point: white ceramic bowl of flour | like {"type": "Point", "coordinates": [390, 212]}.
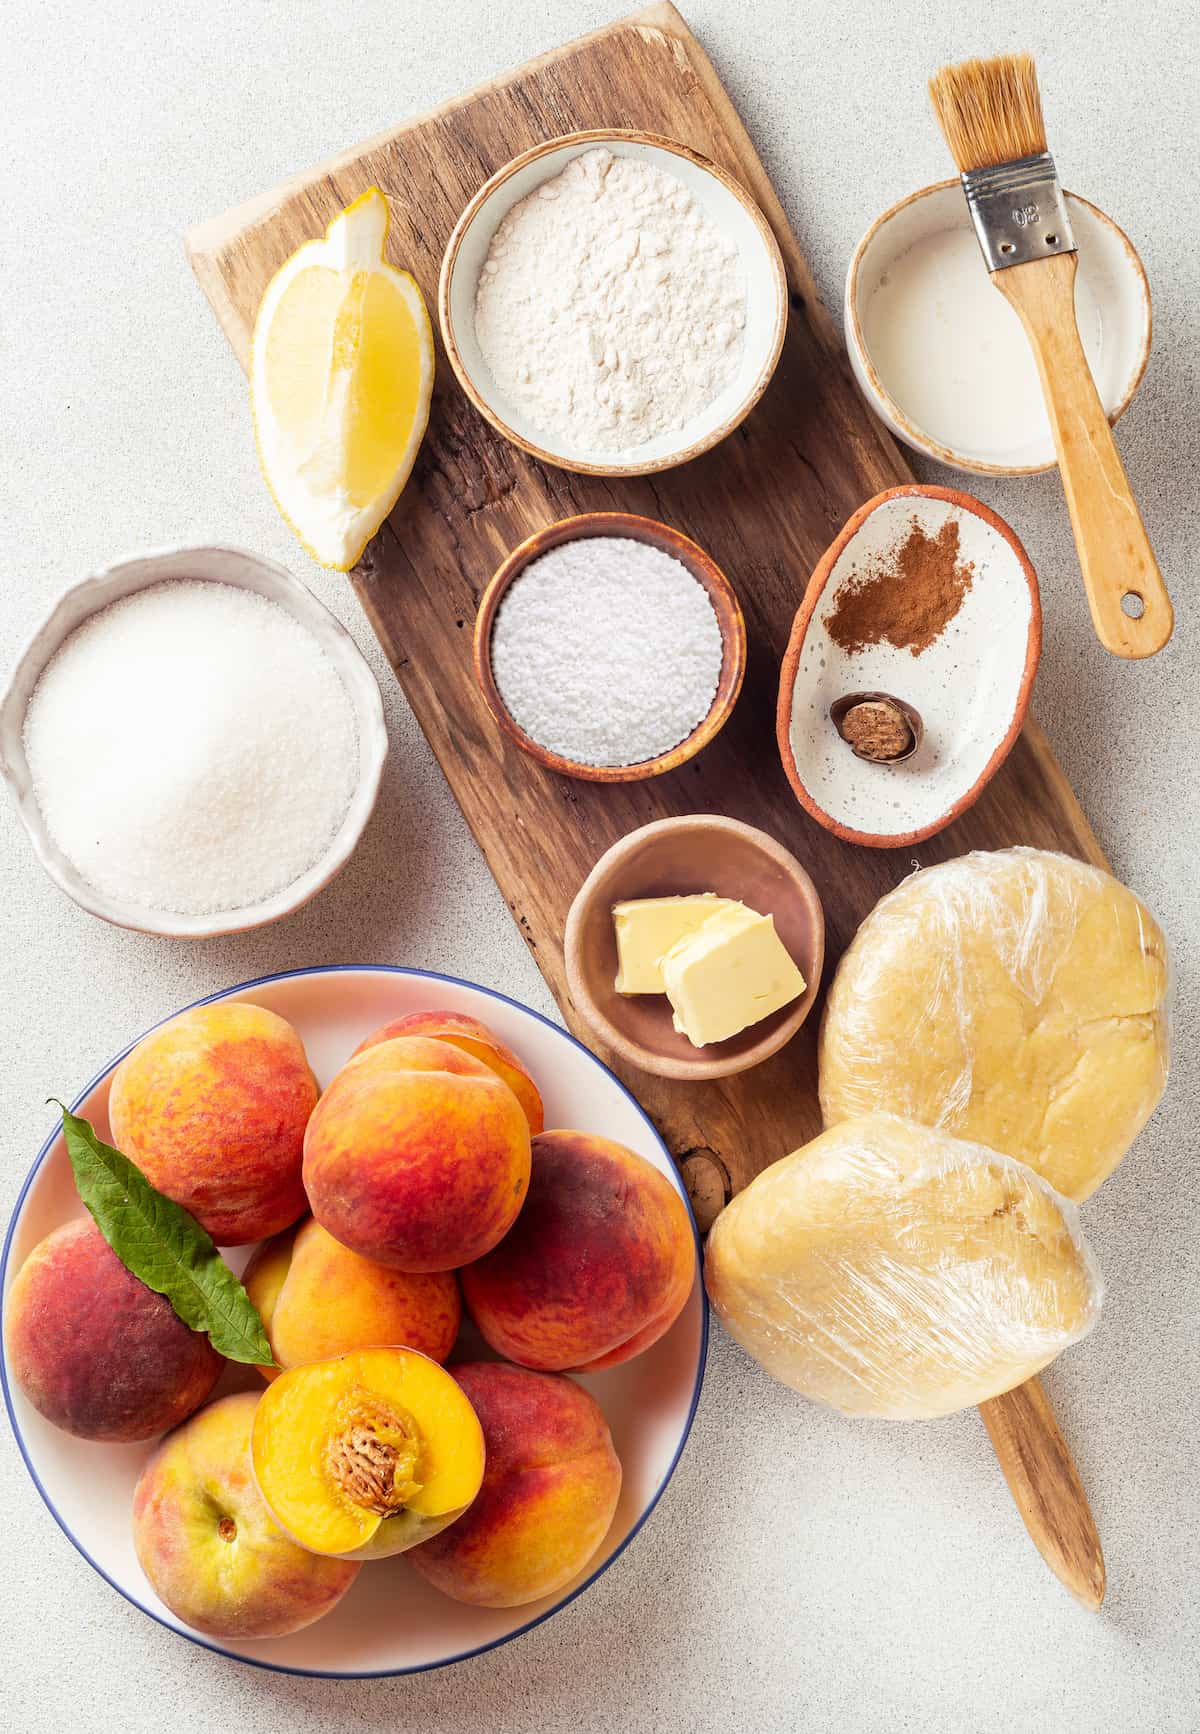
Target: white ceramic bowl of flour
{"type": "Point", "coordinates": [729, 242]}
{"type": "Point", "coordinates": [940, 354]}
{"type": "Point", "coordinates": [244, 572]}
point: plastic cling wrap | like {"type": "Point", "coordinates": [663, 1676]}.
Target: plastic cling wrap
{"type": "Point", "coordinates": [888, 1269]}
{"type": "Point", "coordinates": [1016, 998]}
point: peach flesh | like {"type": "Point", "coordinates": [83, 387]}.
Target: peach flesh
{"type": "Point", "coordinates": [417, 1155]}
{"type": "Point", "coordinates": [366, 1454]}
{"type": "Point", "coordinates": [598, 1265]}
{"type": "Point", "coordinates": [210, 1547]}
{"type": "Point", "coordinates": [550, 1489]}
{"type": "Point", "coordinates": [97, 1352]}
{"type": "Point", "coordinates": [212, 1107]}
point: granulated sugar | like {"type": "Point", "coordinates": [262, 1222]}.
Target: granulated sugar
{"type": "Point", "coordinates": [607, 651]}
{"type": "Point", "coordinates": [192, 748]}
{"type": "Point", "coordinates": [610, 307]}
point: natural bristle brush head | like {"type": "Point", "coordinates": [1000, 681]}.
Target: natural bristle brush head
{"type": "Point", "coordinates": [991, 114]}
{"type": "Point", "coordinates": [989, 110]}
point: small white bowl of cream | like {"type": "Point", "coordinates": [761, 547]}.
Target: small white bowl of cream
{"type": "Point", "coordinates": [613, 303]}
{"type": "Point", "coordinates": [941, 355]}
{"type": "Point", "coordinates": [193, 742]}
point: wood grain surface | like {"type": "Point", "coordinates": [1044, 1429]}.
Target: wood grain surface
{"type": "Point", "coordinates": [765, 503]}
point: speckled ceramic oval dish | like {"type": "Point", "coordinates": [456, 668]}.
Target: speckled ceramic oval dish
{"type": "Point", "coordinates": [970, 687]}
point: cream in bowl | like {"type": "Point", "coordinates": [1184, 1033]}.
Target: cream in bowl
{"type": "Point", "coordinates": [941, 355]}
{"type": "Point", "coordinates": [193, 742]}
{"type": "Point", "coordinates": [613, 302]}
{"type": "Point", "coordinates": [923, 620]}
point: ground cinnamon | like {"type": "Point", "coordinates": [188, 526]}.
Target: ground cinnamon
{"type": "Point", "coordinates": [908, 597]}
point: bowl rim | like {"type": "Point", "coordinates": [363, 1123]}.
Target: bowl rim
{"type": "Point", "coordinates": [600, 136]}
{"type": "Point", "coordinates": [357, 677]}
{"type": "Point", "coordinates": [886, 405]}
{"type": "Point", "coordinates": [702, 567]}
{"type": "Point", "coordinates": [791, 664]}
{"type": "Point", "coordinates": [215, 1645]}
{"type": "Point", "coordinates": [688, 1070]}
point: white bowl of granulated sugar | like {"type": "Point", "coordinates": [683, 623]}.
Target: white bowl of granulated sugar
{"type": "Point", "coordinates": [193, 743]}
{"type": "Point", "coordinates": [613, 303]}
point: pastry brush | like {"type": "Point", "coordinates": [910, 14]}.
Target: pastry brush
{"type": "Point", "coordinates": [991, 114]}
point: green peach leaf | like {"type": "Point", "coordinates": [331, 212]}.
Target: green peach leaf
{"type": "Point", "coordinates": [164, 1246]}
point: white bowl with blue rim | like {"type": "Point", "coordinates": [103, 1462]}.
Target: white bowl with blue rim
{"type": "Point", "coordinates": [391, 1621]}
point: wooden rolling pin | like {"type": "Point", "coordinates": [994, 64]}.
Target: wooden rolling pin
{"type": "Point", "coordinates": [1045, 1483]}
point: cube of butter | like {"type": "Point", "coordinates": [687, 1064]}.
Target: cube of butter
{"type": "Point", "coordinates": [647, 928]}
{"type": "Point", "coordinates": [729, 974]}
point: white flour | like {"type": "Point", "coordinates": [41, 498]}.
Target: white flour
{"type": "Point", "coordinates": [607, 651]}
{"type": "Point", "coordinates": [610, 307]}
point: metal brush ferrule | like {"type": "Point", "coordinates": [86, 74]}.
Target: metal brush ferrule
{"type": "Point", "coordinates": [1019, 211]}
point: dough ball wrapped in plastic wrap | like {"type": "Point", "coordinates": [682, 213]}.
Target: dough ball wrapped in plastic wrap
{"type": "Point", "coordinates": [1015, 998]}
{"type": "Point", "coordinates": [889, 1269]}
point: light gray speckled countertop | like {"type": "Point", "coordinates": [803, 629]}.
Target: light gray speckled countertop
{"type": "Point", "coordinates": [802, 1572]}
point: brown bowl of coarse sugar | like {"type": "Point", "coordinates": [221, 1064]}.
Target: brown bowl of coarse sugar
{"type": "Point", "coordinates": [610, 647]}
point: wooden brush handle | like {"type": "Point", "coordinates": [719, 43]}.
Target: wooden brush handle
{"type": "Point", "coordinates": [1114, 550]}
{"type": "Point", "coordinates": [1043, 1480]}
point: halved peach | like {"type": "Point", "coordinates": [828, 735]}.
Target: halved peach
{"type": "Point", "coordinates": [367, 1454]}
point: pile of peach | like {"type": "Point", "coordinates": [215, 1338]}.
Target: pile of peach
{"type": "Point", "coordinates": [420, 1176]}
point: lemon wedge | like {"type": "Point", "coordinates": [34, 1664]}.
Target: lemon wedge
{"type": "Point", "coordinates": [341, 372]}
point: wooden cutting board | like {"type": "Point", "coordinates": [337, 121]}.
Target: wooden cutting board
{"type": "Point", "coordinates": [766, 503]}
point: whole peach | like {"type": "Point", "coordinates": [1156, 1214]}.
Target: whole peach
{"type": "Point", "coordinates": [318, 1299]}
{"type": "Point", "coordinates": [551, 1482]}
{"type": "Point", "coordinates": [212, 1108]}
{"type": "Point", "coordinates": [473, 1037]}
{"type": "Point", "coordinates": [417, 1155]}
{"type": "Point", "coordinates": [208, 1544]}
{"type": "Point", "coordinates": [97, 1352]}
{"type": "Point", "coordinates": [598, 1265]}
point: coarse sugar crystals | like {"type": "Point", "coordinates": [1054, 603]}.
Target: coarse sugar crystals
{"type": "Point", "coordinates": [192, 748]}
{"type": "Point", "coordinates": [607, 651]}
